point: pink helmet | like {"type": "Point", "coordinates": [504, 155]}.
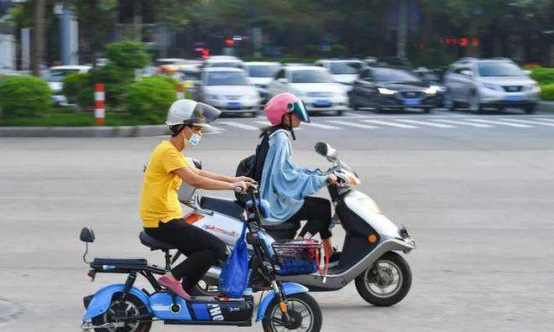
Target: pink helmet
{"type": "Point", "coordinates": [282, 104]}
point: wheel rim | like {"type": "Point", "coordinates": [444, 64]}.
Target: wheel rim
{"type": "Point", "coordinates": [297, 309]}
{"type": "Point", "coordinates": [129, 309]}
{"type": "Point", "coordinates": [384, 279]}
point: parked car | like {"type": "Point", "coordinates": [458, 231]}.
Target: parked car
{"type": "Point", "coordinates": [223, 61]}
{"type": "Point", "coordinates": [228, 89]}
{"type": "Point", "coordinates": [190, 75]}
{"type": "Point", "coordinates": [433, 79]}
{"type": "Point", "coordinates": [55, 76]}
{"type": "Point", "coordinates": [343, 71]}
{"type": "Point", "coordinates": [261, 74]}
{"type": "Point", "coordinates": [392, 89]}
{"type": "Point", "coordinates": [170, 61]}
{"type": "Point", "coordinates": [490, 83]}
{"type": "Point", "coordinates": [314, 85]}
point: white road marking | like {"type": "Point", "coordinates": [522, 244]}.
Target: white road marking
{"type": "Point", "coordinates": [356, 125]}
{"type": "Point", "coordinates": [319, 125]}
{"type": "Point", "coordinates": [424, 123]}
{"type": "Point", "coordinates": [501, 123]}
{"type": "Point", "coordinates": [238, 125]}
{"type": "Point", "coordinates": [463, 123]}
{"type": "Point", "coordinates": [531, 122]}
{"type": "Point", "coordinates": [391, 124]}
{"type": "Point", "coordinates": [544, 119]}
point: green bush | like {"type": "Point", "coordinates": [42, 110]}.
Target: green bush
{"type": "Point", "coordinates": [24, 96]}
{"type": "Point", "coordinates": [150, 98]}
{"type": "Point", "coordinates": [543, 75]}
{"type": "Point", "coordinates": [79, 89]}
{"type": "Point", "coordinates": [128, 54]}
{"type": "Point", "coordinates": [115, 80]}
{"type": "Point", "coordinates": [547, 92]}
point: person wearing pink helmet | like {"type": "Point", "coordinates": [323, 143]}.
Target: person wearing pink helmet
{"type": "Point", "coordinates": [286, 186]}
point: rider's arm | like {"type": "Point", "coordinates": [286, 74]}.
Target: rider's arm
{"type": "Point", "coordinates": [196, 179]}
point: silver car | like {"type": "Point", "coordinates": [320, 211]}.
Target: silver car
{"type": "Point", "coordinates": [489, 83]}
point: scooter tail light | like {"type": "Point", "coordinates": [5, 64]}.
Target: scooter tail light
{"type": "Point", "coordinates": [193, 217]}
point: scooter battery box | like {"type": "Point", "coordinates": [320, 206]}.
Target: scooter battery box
{"type": "Point", "coordinates": [229, 311]}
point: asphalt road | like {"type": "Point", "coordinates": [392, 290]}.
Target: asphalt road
{"type": "Point", "coordinates": [478, 200]}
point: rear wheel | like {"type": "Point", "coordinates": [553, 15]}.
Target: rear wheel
{"type": "Point", "coordinates": [427, 110]}
{"type": "Point", "coordinates": [475, 103]}
{"type": "Point", "coordinates": [387, 282]}
{"type": "Point", "coordinates": [128, 308]}
{"type": "Point", "coordinates": [304, 312]}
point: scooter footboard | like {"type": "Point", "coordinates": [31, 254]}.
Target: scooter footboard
{"type": "Point", "coordinates": [288, 288]}
{"type": "Point", "coordinates": [102, 299]}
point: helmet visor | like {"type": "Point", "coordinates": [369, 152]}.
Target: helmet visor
{"type": "Point", "coordinates": [203, 115]}
{"type": "Point", "coordinates": [299, 109]}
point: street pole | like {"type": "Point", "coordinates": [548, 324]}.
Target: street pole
{"type": "Point", "coordinates": [37, 49]}
{"type": "Point", "coordinates": [402, 29]}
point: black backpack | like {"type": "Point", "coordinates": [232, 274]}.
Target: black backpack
{"type": "Point", "coordinates": [253, 166]}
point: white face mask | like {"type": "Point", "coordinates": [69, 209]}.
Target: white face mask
{"type": "Point", "coordinates": [194, 139]}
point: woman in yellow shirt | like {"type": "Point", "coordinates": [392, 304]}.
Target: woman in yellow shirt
{"type": "Point", "coordinates": [160, 210]}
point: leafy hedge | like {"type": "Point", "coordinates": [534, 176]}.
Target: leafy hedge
{"type": "Point", "coordinates": [79, 89]}
{"type": "Point", "coordinates": [24, 96]}
{"type": "Point", "coordinates": [543, 75]}
{"type": "Point", "coordinates": [150, 98]}
{"type": "Point", "coordinates": [547, 92]}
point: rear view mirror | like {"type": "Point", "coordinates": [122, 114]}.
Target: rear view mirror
{"type": "Point", "coordinates": [326, 150]}
{"type": "Point", "coordinates": [87, 235]}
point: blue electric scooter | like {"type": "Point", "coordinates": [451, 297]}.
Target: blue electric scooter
{"type": "Point", "coordinates": [124, 308]}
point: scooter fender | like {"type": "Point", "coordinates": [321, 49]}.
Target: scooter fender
{"type": "Point", "coordinates": [102, 299]}
{"type": "Point", "coordinates": [288, 288]}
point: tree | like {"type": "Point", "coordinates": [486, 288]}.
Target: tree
{"type": "Point", "coordinates": [37, 37]}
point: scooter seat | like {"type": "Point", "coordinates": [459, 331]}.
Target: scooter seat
{"type": "Point", "coordinates": [222, 205]}
{"type": "Point", "coordinates": [154, 244]}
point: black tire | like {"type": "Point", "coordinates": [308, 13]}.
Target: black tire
{"type": "Point", "coordinates": [353, 105]}
{"type": "Point", "coordinates": [450, 104]}
{"type": "Point", "coordinates": [300, 299]}
{"type": "Point", "coordinates": [137, 307]}
{"type": "Point", "coordinates": [378, 109]}
{"type": "Point", "coordinates": [398, 294]}
{"type": "Point", "coordinates": [339, 113]}
{"type": "Point", "coordinates": [530, 109]}
{"type": "Point", "coordinates": [427, 110]}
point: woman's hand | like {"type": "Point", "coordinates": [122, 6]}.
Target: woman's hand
{"type": "Point", "coordinates": [332, 179]}
{"type": "Point", "coordinates": [244, 179]}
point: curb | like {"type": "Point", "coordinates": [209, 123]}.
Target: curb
{"type": "Point", "coordinates": [547, 106]}
{"type": "Point", "coordinates": [123, 131]}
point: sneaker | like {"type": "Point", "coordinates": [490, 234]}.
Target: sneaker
{"type": "Point", "coordinates": [174, 286]}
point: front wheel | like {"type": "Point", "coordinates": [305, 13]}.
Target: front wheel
{"type": "Point", "coordinates": [304, 312]}
{"type": "Point", "coordinates": [387, 282]}
{"type": "Point", "coordinates": [127, 309]}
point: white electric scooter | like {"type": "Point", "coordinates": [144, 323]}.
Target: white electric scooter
{"type": "Point", "coordinates": [370, 255]}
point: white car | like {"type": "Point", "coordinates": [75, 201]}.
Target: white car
{"type": "Point", "coordinates": [261, 74]}
{"type": "Point", "coordinates": [343, 71]}
{"type": "Point", "coordinates": [223, 61]}
{"type": "Point", "coordinates": [489, 83]}
{"type": "Point", "coordinates": [229, 90]}
{"type": "Point", "coordinates": [55, 76]}
{"type": "Point", "coordinates": [314, 85]}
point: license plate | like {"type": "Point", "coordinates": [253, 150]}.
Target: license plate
{"type": "Point", "coordinates": [514, 98]}
{"type": "Point", "coordinates": [322, 103]}
{"type": "Point", "coordinates": [233, 106]}
{"type": "Point", "coordinates": [412, 102]}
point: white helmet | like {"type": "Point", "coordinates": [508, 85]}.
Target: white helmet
{"type": "Point", "coordinates": [190, 112]}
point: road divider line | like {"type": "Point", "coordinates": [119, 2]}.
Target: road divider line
{"type": "Point", "coordinates": [356, 125]}
{"type": "Point", "coordinates": [530, 122]}
{"type": "Point", "coordinates": [463, 123]}
{"type": "Point", "coordinates": [543, 119]}
{"type": "Point", "coordinates": [390, 124]}
{"type": "Point", "coordinates": [319, 125]}
{"type": "Point", "coordinates": [500, 123]}
{"type": "Point", "coordinates": [424, 123]}
{"type": "Point", "coordinates": [238, 125]}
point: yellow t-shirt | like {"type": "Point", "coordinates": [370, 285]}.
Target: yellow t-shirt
{"type": "Point", "coordinates": [159, 200]}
